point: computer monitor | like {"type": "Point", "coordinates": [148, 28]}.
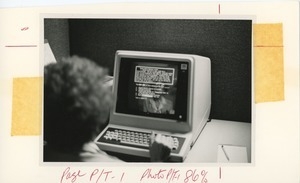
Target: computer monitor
{"type": "Point", "coordinates": [165, 92]}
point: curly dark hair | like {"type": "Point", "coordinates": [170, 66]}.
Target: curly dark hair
{"type": "Point", "coordinates": [76, 102]}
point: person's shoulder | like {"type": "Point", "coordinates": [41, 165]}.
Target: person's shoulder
{"type": "Point", "coordinates": [91, 153]}
{"type": "Point", "coordinates": [53, 155]}
{"type": "Point", "coordinates": [97, 157]}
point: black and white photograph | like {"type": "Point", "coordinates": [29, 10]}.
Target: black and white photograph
{"type": "Point", "coordinates": [148, 90]}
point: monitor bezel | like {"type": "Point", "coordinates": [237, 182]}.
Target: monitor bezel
{"type": "Point", "coordinates": [153, 123]}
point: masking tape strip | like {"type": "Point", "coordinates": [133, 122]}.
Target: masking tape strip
{"type": "Point", "coordinates": [268, 62]}
{"type": "Point", "coordinates": [268, 35]}
{"type": "Point", "coordinates": [26, 106]}
{"type": "Point", "coordinates": [268, 70]}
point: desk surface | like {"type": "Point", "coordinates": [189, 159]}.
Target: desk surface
{"type": "Point", "coordinates": [217, 132]}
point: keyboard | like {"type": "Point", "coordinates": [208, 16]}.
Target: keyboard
{"type": "Point", "coordinates": [136, 139]}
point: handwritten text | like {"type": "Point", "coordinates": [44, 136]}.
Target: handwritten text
{"type": "Point", "coordinates": [153, 175]}
{"type": "Point", "coordinates": [96, 176]}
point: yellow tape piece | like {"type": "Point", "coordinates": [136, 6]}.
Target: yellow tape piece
{"type": "Point", "coordinates": [268, 35]}
{"type": "Point", "coordinates": [268, 62]}
{"type": "Point", "coordinates": [27, 106]}
{"type": "Point", "coordinates": [269, 80]}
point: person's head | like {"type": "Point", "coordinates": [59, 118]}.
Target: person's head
{"type": "Point", "coordinates": [76, 103]}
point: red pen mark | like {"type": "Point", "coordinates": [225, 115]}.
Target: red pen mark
{"type": "Point", "coordinates": [220, 172]}
{"type": "Point", "coordinates": [219, 8]}
{"type": "Point", "coordinates": [70, 175]}
{"type": "Point", "coordinates": [24, 28]}
{"type": "Point", "coordinates": [13, 46]}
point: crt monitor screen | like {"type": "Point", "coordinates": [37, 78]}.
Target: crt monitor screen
{"type": "Point", "coordinates": [153, 88]}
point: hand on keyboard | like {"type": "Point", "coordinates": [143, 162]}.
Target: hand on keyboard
{"type": "Point", "coordinates": [160, 147]}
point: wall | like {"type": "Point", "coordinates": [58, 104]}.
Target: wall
{"type": "Point", "coordinates": [56, 31]}
{"type": "Point", "coordinates": [226, 42]}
